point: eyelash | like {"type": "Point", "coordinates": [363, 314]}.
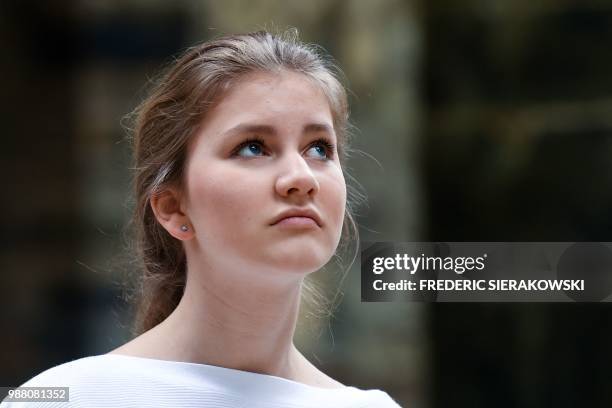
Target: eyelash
{"type": "Point", "coordinates": [329, 147]}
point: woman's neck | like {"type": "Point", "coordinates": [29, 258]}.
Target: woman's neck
{"type": "Point", "coordinates": [245, 324]}
{"type": "Point", "coordinates": [236, 327]}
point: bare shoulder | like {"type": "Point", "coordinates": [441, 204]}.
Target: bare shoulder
{"type": "Point", "coordinates": [146, 345]}
{"type": "Point", "coordinates": [322, 380]}
{"type": "Point", "coordinates": [309, 374]}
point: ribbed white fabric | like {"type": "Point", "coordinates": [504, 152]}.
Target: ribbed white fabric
{"type": "Point", "coordinates": [118, 381]}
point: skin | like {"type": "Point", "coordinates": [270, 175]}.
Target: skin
{"type": "Point", "coordinates": [245, 275]}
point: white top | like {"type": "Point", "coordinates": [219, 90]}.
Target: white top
{"type": "Point", "coordinates": [113, 380]}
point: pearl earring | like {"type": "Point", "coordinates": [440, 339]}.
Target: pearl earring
{"type": "Point", "coordinates": [184, 228]}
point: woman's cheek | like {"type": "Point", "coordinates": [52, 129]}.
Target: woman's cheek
{"type": "Point", "coordinates": [337, 196]}
{"type": "Point", "coordinates": [233, 203]}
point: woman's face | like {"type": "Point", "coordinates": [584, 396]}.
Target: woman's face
{"type": "Point", "coordinates": [267, 149]}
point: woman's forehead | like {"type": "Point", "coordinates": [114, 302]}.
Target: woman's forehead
{"type": "Point", "coordinates": [265, 84]}
{"type": "Point", "coordinates": [266, 99]}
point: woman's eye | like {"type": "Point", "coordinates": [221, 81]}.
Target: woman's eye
{"type": "Point", "coordinates": [250, 149]}
{"type": "Point", "coordinates": [321, 150]}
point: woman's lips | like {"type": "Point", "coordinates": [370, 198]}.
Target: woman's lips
{"type": "Point", "coordinates": [298, 217]}
{"type": "Point", "coordinates": [297, 222]}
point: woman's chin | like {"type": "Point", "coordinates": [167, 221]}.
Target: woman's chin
{"type": "Point", "coordinates": [302, 259]}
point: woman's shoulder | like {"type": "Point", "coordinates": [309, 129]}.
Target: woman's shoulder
{"type": "Point", "coordinates": [77, 370]}
{"type": "Point", "coordinates": [103, 371]}
{"type": "Point", "coordinates": [378, 399]}
{"type": "Point", "coordinates": [80, 376]}
{"type": "Point", "coordinates": [112, 380]}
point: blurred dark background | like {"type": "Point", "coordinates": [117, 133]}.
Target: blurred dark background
{"type": "Point", "coordinates": [480, 121]}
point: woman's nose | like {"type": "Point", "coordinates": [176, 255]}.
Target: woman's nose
{"type": "Point", "coordinates": [296, 177]}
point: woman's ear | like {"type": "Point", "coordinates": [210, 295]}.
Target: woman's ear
{"type": "Point", "coordinates": [167, 208]}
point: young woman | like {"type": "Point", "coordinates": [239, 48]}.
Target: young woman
{"type": "Point", "coordinates": [240, 194]}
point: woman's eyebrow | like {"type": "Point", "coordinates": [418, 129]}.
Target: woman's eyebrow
{"type": "Point", "coordinates": [271, 130]}
{"type": "Point", "coordinates": [318, 127]}
{"type": "Point", "coordinates": [250, 128]}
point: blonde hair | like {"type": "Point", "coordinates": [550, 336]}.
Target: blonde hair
{"type": "Point", "coordinates": [164, 124]}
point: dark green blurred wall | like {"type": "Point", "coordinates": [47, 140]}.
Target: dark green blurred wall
{"type": "Point", "coordinates": [518, 147]}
